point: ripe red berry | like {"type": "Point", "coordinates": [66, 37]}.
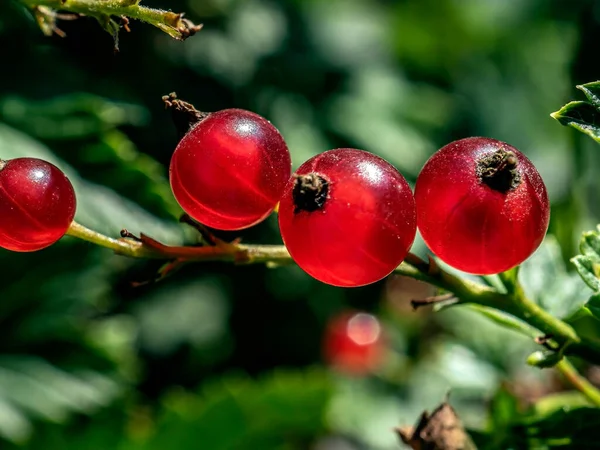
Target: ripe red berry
{"type": "Point", "coordinates": [353, 343]}
{"type": "Point", "coordinates": [482, 206]}
{"type": "Point", "coordinates": [347, 217]}
{"type": "Point", "coordinates": [229, 171]}
{"type": "Point", "coordinates": [37, 204]}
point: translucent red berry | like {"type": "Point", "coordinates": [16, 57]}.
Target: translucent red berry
{"type": "Point", "coordinates": [229, 171]}
{"type": "Point", "coordinates": [347, 217]}
{"type": "Point", "coordinates": [482, 206]}
{"type": "Point", "coordinates": [37, 204]}
{"type": "Point", "coordinates": [353, 343]}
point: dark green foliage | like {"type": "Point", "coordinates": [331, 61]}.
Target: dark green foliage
{"type": "Point", "coordinates": [223, 357]}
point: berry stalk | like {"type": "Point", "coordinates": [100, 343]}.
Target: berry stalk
{"type": "Point", "coordinates": [147, 248]}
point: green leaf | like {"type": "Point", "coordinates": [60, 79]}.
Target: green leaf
{"type": "Point", "coordinates": [592, 92]}
{"type": "Point", "coordinates": [503, 319]}
{"type": "Point", "coordinates": [546, 281]}
{"type": "Point", "coordinates": [588, 267]}
{"type": "Point", "coordinates": [582, 116]}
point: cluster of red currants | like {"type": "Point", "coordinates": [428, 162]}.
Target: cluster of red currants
{"type": "Point", "coordinates": [347, 217]}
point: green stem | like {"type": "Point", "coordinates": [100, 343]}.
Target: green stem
{"type": "Point", "coordinates": [574, 378]}
{"type": "Point", "coordinates": [541, 319]}
{"type": "Point", "coordinates": [123, 247]}
{"type": "Point", "coordinates": [150, 249]}
{"type": "Point", "coordinates": [171, 23]}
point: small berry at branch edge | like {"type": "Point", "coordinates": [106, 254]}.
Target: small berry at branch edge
{"type": "Point", "coordinates": [37, 204]}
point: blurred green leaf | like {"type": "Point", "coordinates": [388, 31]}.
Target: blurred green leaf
{"type": "Point", "coordinates": [31, 388]}
{"type": "Point", "coordinates": [97, 207]}
{"type": "Point", "coordinates": [557, 401]}
{"type": "Point", "coordinates": [503, 409]}
{"type": "Point", "coordinates": [546, 281]}
{"type": "Point", "coordinates": [73, 116]}
{"type": "Point", "coordinates": [83, 130]}
{"type": "Point", "coordinates": [561, 420]}
{"type": "Point", "coordinates": [197, 311]}
{"type": "Point", "coordinates": [283, 410]}
{"type": "Point", "coordinates": [566, 428]}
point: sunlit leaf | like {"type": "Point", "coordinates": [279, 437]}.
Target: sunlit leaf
{"type": "Point", "coordinates": [583, 115]}
{"type": "Point", "coordinates": [592, 92]}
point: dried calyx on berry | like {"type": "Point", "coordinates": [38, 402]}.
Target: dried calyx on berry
{"type": "Point", "coordinates": [185, 116]}
{"type": "Point", "coordinates": [499, 170]}
{"type": "Point", "coordinates": [310, 192]}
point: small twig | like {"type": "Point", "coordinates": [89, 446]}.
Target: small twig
{"type": "Point", "coordinates": [184, 114]}
{"type": "Point", "coordinates": [127, 235]}
{"type": "Point", "coordinates": [165, 270]}
{"type": "Point", "coordinates": [433, 300]}
{"type": "Point", "coordinates": [417, 262]}
{"type": "Point", "coordinates": [204, 232]}
{"type": "Point", "coordinates": [174, 24]}
{"type": "Point", "coordinates": [125, 24]}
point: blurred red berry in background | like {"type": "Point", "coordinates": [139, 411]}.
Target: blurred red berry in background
{"type": "Point", "coordinates": [353, 343]}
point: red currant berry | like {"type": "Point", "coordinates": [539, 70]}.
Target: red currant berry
{"type": "Point", "coordinates": [482, 206]}
{"type": "Point", "coordinates": [347, 217]}
{"type": "Point", "coordinates": [229, 171]}
{"type": "Point", "coordinates": [37, 204]}
{"type": "Point", "coordinates": [353, 343]}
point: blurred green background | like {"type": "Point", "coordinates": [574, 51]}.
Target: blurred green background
{"type": "Point", "coordinates": [221, 357]}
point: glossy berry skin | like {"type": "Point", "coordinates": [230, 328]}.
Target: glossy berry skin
{"type": "Point", "coordinates": [229, 171]}
{"type": "Point", "coordinates": [37, 204]}
{"type": "Point", "coordinates": [364, 225]}
{"type": "Point", "coordinates": [472, 225]}
{"type": "Point", "coordinates": [353, 343]}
